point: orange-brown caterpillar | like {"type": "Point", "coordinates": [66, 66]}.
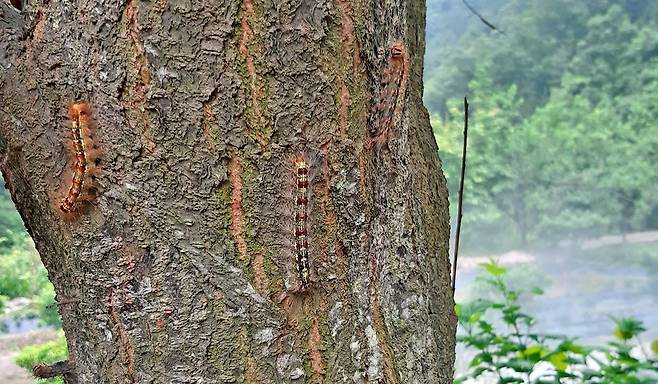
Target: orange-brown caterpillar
{"type": "Point", "coordinates": [302, 264]}
{"type": "Point", "coordinates": [85, 153]}
{"type": "Point", "coordinates": [388, 106]}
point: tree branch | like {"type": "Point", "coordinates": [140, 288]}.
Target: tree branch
{"type": "Point", "coordinates": [44, 371]}
{"type": "Point", "coordinates": [485, 21]}
{"type": "Point", "coordinates": [461, 197]}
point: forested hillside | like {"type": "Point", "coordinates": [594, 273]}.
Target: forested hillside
{"type": "Point", "coordinates": [564, 136]}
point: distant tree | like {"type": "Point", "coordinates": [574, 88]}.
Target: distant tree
{"type": "Point", "coordinates": [571, 158]}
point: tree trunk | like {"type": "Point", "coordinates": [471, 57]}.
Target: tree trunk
{"type": "Point", "coordinates": [187, 265]}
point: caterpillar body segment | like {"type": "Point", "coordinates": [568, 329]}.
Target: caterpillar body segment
{"type": "Point", "coordinates": [84, 153]}
{"type": "Point", "coordinates": [388, 105]}
{"type": "Point", "coordinates": [301, 215]}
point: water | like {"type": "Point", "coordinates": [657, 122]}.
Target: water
{"type": "Point", "coordinates": [20, 325]}
{"type": "Point", "coordinates": [584, 291]}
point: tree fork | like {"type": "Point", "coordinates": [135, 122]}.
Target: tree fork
{"type": "Point", "coordinates": [180, 268]}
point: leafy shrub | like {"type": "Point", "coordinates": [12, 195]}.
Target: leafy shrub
{"type": "Point", "coordinates": [48, 353]}
{"type": "Point", "coordinates": [21, 271]}
{"type": "Point", "coordinates": [509, 350]}
{"type": "Point", "coordinates": [11, 223]}
{"type": "Point", "coordinates": [45, 308]}
{"type": "Point", "coordinates": [23, 275]}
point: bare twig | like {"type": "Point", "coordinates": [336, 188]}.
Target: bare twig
{"type": "Point", "coordinates": [461, 196]}
{"type": "Point", "coordinates": [44, 371]}
{"type": "Point", "coordinates": [476, 13]}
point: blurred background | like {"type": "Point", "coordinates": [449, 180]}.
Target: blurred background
{"type": "Point", "coordinates": [562, 177]}
{"type": "Point", "coordinates": [561, 187]}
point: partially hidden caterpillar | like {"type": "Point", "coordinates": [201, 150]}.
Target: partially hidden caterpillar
{"type": "Point", "coordinates": [302, 264]}
{"type": "Point", "coordinates": [389, 104]}
{"type": "Point", "coordinates": [85, 153]}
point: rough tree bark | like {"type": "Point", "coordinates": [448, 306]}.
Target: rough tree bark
{"type": "Point", "coordinates": [179, 271]}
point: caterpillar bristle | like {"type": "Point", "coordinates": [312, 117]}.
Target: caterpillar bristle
{"type": "Point", "coordinates": [388, 105]}
{"type": "Point", "coordinates": [84, 153]}
{"type": "Point", "coordinates": [301, 218]}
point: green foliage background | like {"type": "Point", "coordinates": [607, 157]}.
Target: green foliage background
{"type": "Point", "coordinates": [509, 348]}
{"type": "Point", "coordinates": [563, 140]}
{"type": "Point", "coordinates": [46, 353]}
{"type": "Point", "coordinates": [23, 275]}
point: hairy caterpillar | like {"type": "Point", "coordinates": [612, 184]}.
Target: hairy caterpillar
{"type": "Point", "coordinates": [84, 153]}
{"type": "Point", "coordinates": [302, 264]}
{"type": "Point", "coordinates": [388, 105]}
{"type": "Point", "coordinates": [294, 211]}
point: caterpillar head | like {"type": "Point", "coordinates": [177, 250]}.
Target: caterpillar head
{"type": "Point", "coordinates": [397, 50]}
{"type": "Point", "coordinates": [77, 109]}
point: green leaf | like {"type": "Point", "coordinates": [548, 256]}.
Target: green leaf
{"type": "Point", "coordinates": [493, 268]}
{"type": "Point", "coordinates": [480, 358]}
{"type": "Point", "coordinates": [533, 353]}
{"type": "Point", "coordinates": [627, 328]}
{"type": "Point", "coordinates": [537, 291]}
{"type": "Point", "coordinates": [471, 312]}
{"type": "Point", "coordinates": [504, 380]}
{"type": "Point", "coordinates": [559, 360]}
{"type": "Point", "coordinates": [512, 295]}
{"type": "Point", "coordinates": [570, 346]}
{"type": "Point", "coordinates": [479, 370]}
{"type": "Point", "coordinates": [474, 318]}
{"type": "Point", "coordinates": [485, 326]}
{"type": "Point", "coordinates": [518, 365]}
